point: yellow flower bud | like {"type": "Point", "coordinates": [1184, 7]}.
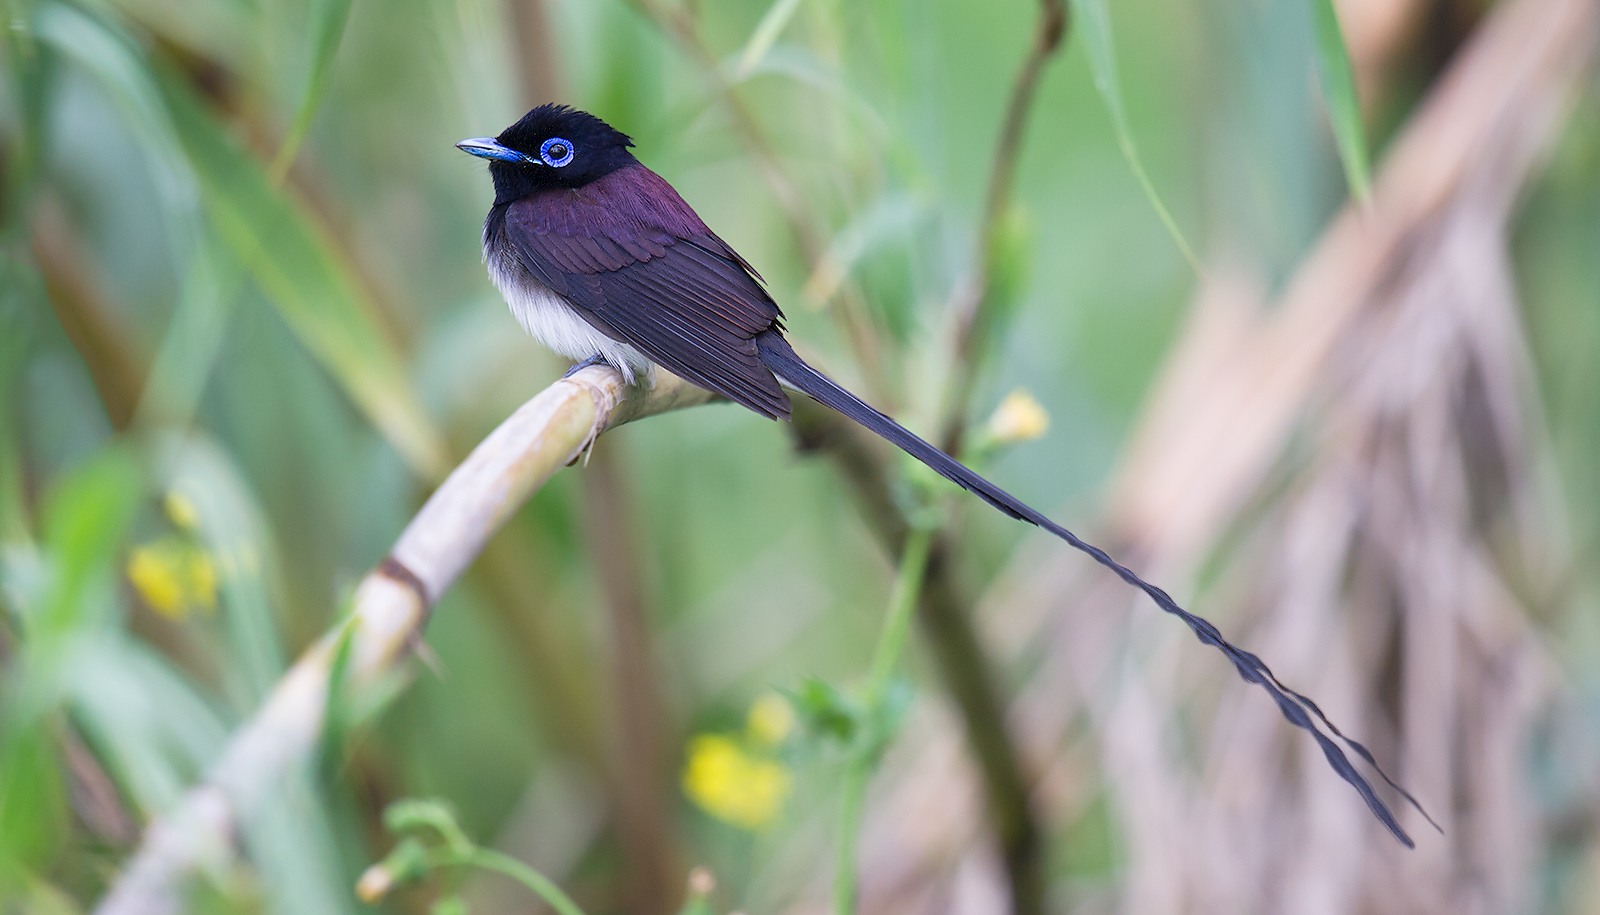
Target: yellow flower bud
{"type": "Point", "coordinates": [771, 720]}
{"type": "Point", "coordinates": [1019, 418]}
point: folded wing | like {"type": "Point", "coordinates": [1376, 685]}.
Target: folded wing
{"type": "Point", "coordinates": [639, 265]}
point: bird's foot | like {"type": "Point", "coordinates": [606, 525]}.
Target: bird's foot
{"type": "Point", "coordinates": [596, 359]}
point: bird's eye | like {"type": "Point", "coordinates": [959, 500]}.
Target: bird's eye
{"type": "Point", "coordinates": [555, 152]}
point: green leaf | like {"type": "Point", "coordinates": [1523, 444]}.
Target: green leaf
{"type": "Point", "coordinates": [294, 263]}
{"type": "Point", "coordinates": [1093, 23]}
{"type": "Point", "coordinates": [338, 712]}
{"type": "Point", "coordinates": [35, 819]}
{"type": "Point", "coordinates": [328, 18]}
{"type": "Point", "coordinates": [86, 517]}
{"type": "Point", "coordinates": [1339, 94]}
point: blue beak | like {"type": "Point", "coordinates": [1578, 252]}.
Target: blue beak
{"type": "Point", "coordinates": [489, 148]}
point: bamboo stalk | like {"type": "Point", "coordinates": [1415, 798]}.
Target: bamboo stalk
{"type": "Point", "coordinates": [391, 609]}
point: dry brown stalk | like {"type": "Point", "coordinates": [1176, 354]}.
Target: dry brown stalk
{"type": "Point", "coordinates": [391, 608]}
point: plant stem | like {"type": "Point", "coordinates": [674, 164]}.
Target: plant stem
{"type": "Point", "coordinates": [974, 304]}
{"type": "Point", "coordinates": [542, 886]}
{"type": "Point", "coordinates": [844, 872]}
{"type": "Point", "coordinates": [891, 642]}
{"type": "Point", "coordinates": [966, 670]}
{"type": "Point", "coordinates": [903, 600]}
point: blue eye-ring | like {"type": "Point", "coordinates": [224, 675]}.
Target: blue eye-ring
{"type": "Point", "coordinates": [555, 152]}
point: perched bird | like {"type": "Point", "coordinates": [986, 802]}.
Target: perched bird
{"type": "Point", "coordinates": [602, 261]}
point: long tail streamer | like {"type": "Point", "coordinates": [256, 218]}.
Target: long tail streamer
{"type": "Point", "coordinates": [1301, 712]}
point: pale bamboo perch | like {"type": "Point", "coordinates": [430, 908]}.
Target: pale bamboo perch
{"type": "Point", "coordinates": [391, 609]}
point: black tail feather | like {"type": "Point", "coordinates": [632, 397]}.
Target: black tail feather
{"type": "Point", "coordinates": [781, 358]}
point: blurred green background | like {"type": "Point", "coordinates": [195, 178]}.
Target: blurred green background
{"type": "Point", "coordinates": [226, 382]}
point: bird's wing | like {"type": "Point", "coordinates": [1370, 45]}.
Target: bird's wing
{"type": "Point", "coordinates": [638, 264]}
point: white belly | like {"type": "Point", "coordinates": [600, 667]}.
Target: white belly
{"type": "Point", "coordinates": [549, 317]}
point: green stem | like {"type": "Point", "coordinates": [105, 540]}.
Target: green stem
{"type": "Point", "coordinates": [897, 624]}
{"type": "Point", "coordinates": [891, 643]}
{"type": "Point", "coordinates": [844, 870]}
{"type": "Point", "coordinates": [542, 886]}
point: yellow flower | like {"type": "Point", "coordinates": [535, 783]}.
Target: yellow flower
{"type": "Point", "coordinates": [771, 720]}
{"type": "Point", "coordinates": [1019, 418]}
{"type": "Point", "coordinates": [174, 577]}
{"type": "Point", "coordinates": [732, 785]}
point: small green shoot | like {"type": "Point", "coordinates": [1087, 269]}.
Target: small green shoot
{"type": "Point", "coordinates": [433, 841]}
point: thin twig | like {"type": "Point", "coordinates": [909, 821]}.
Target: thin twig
{"type": "Point", "coordinates": [391, 609]}
{"type": "Point", "coordinates": [973, 305]}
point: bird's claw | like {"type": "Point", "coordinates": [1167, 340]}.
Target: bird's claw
{"type": "Point", "coordinates": [577, 367]}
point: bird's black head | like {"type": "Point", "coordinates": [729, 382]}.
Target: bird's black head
{"type": "Point", "coordinates": [553, 146]}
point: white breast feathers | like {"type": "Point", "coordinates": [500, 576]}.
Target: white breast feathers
{"type": "Point", "coordinates": [550, 318]}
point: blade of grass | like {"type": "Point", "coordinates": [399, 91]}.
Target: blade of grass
{"type": "Point", "coordinates": [765, 35]}
{"type": "Point", "coordinates": [1339, 94]}
{"type": "Point", "coordinates": [294, 264]}
{"type": "Point", "coordinates": [194, 336]}
{"type": "Point", "coordinates": [328, 18]}
{"type": "Point", "coordinates": [106, 51]}
{"type": "Point", "coordinates": [1094, 25]}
